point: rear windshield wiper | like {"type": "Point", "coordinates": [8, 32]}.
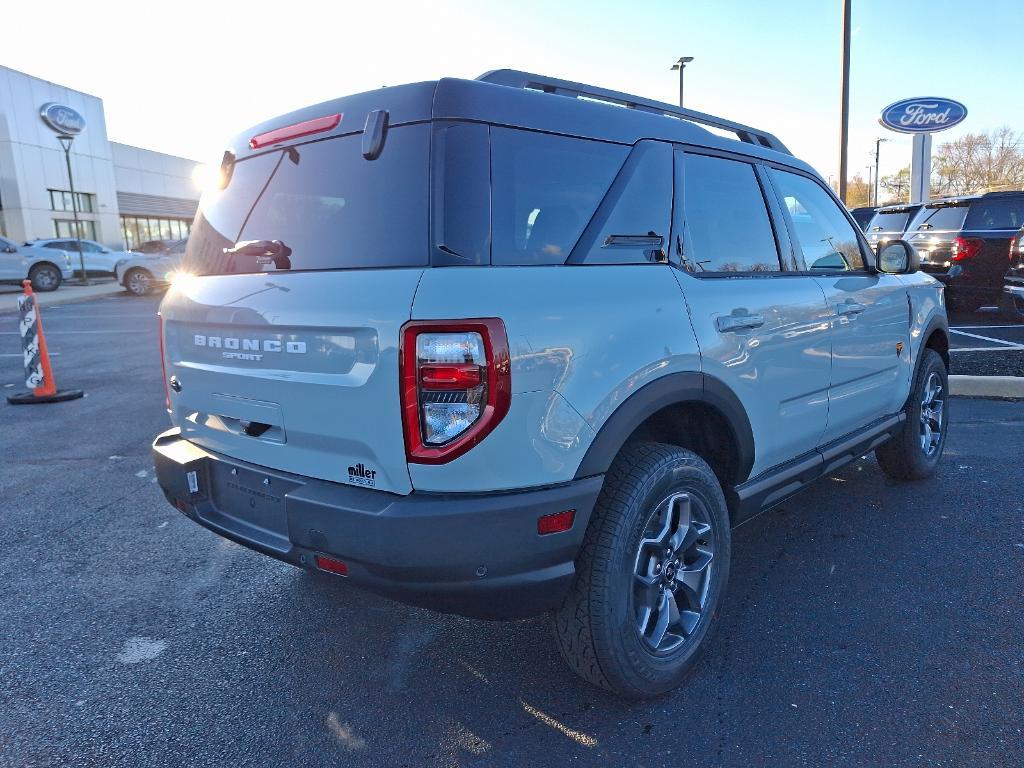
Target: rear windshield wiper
{"type": "Point", "coordinates": [264, 252]}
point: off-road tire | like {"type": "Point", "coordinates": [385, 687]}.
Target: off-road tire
{"type": "Point", "coordinates": [902, 457]}
{"type": "Point", "coordinates": [595, 626]}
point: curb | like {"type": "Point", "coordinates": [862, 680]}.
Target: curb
{"type": "Point", "coordinates": [1002, 387]}
{"type": "Point", "coordinates": [64, 295]}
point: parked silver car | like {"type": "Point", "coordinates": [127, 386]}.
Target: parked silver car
{"type": "Point", "coordinates": [45, 267]}
{"type": "Point", "coordinates": [99, 259]}
{"type": "Point", "coordinates": [143, 272]}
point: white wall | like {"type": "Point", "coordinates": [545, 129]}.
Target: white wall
{"type": "Point", "coordinates": [32, 161]}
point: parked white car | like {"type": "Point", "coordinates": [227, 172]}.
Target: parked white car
{"type": "Point", "coordinates": [45, 267]}
{"type": "Point", "coordinates": [99, 259]}
{"type": "Point", "coordinates": [143, 272]}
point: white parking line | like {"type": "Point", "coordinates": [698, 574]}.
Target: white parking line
{"type": "Point", "coordinates": [21, 355]}
{"type": "Point", "coordinates": [974, 327]}
{"type": "Point", "coordinates": [49, 333]}
{"type": "Point", "coordinates": [987, 349]}
{"type": "Point", "coordinates": [1010, 344]}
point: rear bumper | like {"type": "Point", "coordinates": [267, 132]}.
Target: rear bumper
{"type": "Point", "coordinates": [477, 555]}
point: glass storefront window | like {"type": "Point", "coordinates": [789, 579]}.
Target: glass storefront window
{"type": "Point", "coordinates": [140, 229]}
{"type": "Point", "coordinates": [65, 228]}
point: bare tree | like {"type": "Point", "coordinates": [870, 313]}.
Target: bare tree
{"type": "Point", "coordinates": [979, 162]}
{"type": "Point", "coordinates": [897, 187]}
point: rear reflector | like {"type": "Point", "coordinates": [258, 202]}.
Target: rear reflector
{"type": "Point", "coordinates": [556, 523]}
{"type": "Point", "coordinates": [298, 130]}
{"type": "Point", "coordinates": [331, 565]}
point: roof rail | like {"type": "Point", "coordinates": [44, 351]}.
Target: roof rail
{"type": "Point", "coordinates": [526, 80]}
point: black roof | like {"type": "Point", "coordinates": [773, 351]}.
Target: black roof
{"type": "Point", "coordinates": [522, 100]}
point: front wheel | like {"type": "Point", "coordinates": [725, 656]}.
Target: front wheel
{"type": "Point", "coordinates": [914, 452]}
{"type": "Point", "coordinates": [45, 277]}
{"type": "Point", "coordinates": [650, 575]}
{"type": "Point", "coordinates": [138, 281]}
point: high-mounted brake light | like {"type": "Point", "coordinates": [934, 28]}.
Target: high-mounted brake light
{"type": "Point", "coordinates": [456, 385]}
{"type": "Point", "coordinates": [295, 131]}
{"type": "Point", "coordinates": [966, 248]}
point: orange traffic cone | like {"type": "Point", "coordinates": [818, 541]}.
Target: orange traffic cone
{"type": "Point", "coordinates": [38, 373]}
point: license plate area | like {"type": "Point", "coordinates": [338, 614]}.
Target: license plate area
{"type": "Point", "coordinates": [251, 500]}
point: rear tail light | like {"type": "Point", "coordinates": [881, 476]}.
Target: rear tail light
{"type": "Point", "coordinates": [456, 386]}
{"type": "Point", "coordinates": [966, 248]}
{"type": "Point", "coordinates": [1015, 246]}
{"type": "Point", "coordinates": [163, 363]}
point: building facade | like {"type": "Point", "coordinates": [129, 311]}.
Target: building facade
{"type": "Point", "coordinates": [125, 195]}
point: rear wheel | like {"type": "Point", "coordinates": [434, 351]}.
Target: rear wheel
{"type": "Point", "coordinates": [45, 277]}
{"type": "Point", "coordinates": [914, 452]}
{"type": "Point", "coordinates": [138, 281]}
{"type": "Point", "coordinates": [650, 575]}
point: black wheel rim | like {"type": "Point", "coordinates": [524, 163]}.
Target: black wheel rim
{"type": "Point", "coordinates": [932, 414]}
{"type": "Point", "coordinates": [672, 572]}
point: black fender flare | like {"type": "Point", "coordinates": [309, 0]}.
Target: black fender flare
{"type": "Point", "coordinates": [672, 389]}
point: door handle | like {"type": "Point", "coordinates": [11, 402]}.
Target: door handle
{"type": "Point", "coordinates": [850, 308]}
{"type": "Point", "coordinates": [729, 323]}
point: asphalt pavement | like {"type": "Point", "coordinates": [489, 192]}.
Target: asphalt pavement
{"type": "Point", "coordinates": [867, 622]}
{"type": "Point", "coordinates": [985, 345]}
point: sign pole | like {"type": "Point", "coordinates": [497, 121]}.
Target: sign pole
{"type": "Point", "coordinates": [65, 141]}
{"type": "Point", "coordinates": [844, 102]}
{"type": "Point", "coordinates": [921, 168]}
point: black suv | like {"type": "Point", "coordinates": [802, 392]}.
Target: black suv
{"type": "Point", "coordinates": [964, 242]}
{"type": "Point", "coordinates": [862, 216]}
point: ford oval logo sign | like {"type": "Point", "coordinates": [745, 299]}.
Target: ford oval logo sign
{"type": "Point", "coordinates": [62, 119]}
{"type": "Point", "coordinates": [923, 115]}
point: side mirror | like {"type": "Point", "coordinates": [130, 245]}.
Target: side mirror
{"type": "Point", "coordinates": [897, 257]}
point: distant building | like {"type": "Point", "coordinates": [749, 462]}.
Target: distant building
{"type": "Point", "coordinates": [126, 195]}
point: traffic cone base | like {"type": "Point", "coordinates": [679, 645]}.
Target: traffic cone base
{"type": "Point", "coordinates": [28, 398]}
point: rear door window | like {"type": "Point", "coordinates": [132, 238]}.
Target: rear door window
{"type": "Point", "coordinates": [545, 190]}
{"type": "Point", "coordinates": [996, 213]}
{"type": "Point", "coordinates": [329, 207]}
{"type": "Point", "coordinates": [725, 218]}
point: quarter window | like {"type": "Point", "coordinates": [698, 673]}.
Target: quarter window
{"type": "Point", "coordinates": [725, 218]}
{"type": "Point", "coordinates": [545, 191]}
{"type": "Point", "coordinates": [825, 237]}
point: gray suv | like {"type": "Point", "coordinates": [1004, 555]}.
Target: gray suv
{"type": "Point", "coordinates": [520, 345]}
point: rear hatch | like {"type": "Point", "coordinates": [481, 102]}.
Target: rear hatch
{"type": "Point", "coordinates": [934, 231]}
{"type": "Point", "coordinates": [890, 223]}
{"type": "Point", "coordinates": [283, 332]}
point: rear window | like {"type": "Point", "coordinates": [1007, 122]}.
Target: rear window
{"type": "Point", "coordinates": [330, 207]}
{"type": "Point", "coordinates": [944, 217]}
{"type": "Point", "coordinates": [996, 213]}
{"type": "Point", "coordinates": [545, 190]}
{"type": "Point", "coordinates": [889, 221]}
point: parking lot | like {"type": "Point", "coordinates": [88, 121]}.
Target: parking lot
{"type": "Point", "coordinates": [867, 622]}
{"type": "Point", "coordinates": [986, 346]}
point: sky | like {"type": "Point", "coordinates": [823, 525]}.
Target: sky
{"type": "Point", "coordinates": [181, 77]}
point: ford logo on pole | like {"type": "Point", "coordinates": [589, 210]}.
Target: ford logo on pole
{"type": "Point", "coordinates": [62, 119]}
{"type": "Point", "coordinates": [923, 115]}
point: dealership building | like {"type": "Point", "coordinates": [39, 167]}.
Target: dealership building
{"type": "Point", "coordinates": [126, 195]}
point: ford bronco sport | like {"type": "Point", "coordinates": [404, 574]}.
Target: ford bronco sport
{"type": "Point", "coordinates": [521, 345]}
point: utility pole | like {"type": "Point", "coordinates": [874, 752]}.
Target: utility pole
{"type": "Point", "coordinates": [878, 143]}
{"type": "Point", "coordinates": [681, 65]}
{"type": "Point", "coordinates": [65, 141]}
{"type": "Point", "coordinates": [844, 109]}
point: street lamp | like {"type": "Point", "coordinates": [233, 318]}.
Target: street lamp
{"type": "Point", "coordinates": [65, 141]}
{"type": "Point", "coordinates": [878, 143]}
{"type": "Point", "coordinates": [681, 65]}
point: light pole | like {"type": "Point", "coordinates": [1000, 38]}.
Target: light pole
{"type": "Point", "coordinates": [681, 65]}
{"type": "Point", "coordinates": [844, 101]}
{"type": "Point", "coordinates": [878, 143]}
{"type": "Point", "coordinates": [65, 141]}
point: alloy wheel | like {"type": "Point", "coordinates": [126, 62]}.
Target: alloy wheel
{"type": "Point", "coordinates": [932, 412]}
{"type": "Point", "coordinates": [672, 572]}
